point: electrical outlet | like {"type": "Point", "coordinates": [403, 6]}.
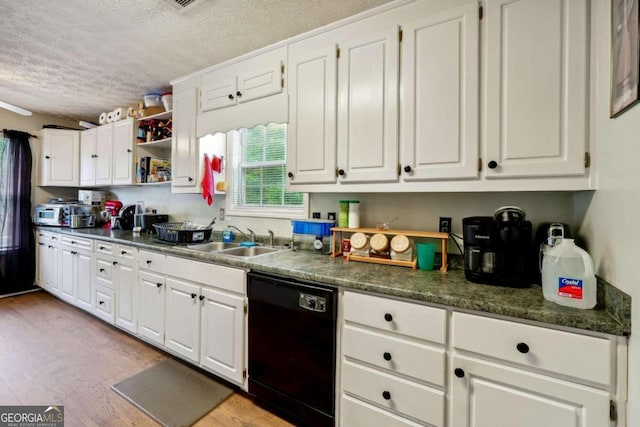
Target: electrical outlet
{"type": "Point", "coordinates": [444, 224]}
{"type": "Point", "coordinates": [221, 215]}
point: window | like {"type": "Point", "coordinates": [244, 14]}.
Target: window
{"type": "Point", "coordinates": [5, 227]}
{"type": "Point", "coordinates": [258, 174]}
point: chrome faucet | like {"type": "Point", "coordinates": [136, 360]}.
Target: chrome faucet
{"type": "Point", "coordinates": [251, 238]}
{"type": "Point", "coordinates": [270, 238]}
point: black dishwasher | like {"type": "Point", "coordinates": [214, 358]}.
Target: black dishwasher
{"type": "Point", "coordinates": [292, 347]}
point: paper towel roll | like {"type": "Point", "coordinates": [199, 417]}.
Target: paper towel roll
{"type": "Point", "coordinates": [109, 116]}
{"type": "Point", "coordinates": [103, 118]}
{"type": "Point", "coordinates": [119, 114]}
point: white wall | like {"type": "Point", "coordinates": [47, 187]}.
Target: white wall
{"type": "Point", "coordinates": [32, 124]}
{"type": "Point", "coordinates": [609, 217]}
{"type": "Point", "coordinates": [415, 211]}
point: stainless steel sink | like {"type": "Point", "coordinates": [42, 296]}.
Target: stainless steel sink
{"type": "Point", "coordinates": [249, 251]}
{"type": "Point", "coordinates": [213, 246]}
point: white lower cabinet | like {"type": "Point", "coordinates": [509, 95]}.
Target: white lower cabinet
{"type": "Point", "coordinates": [151, 309]}
{"type": "Point", "coordinates": [485, 394]}
{"type": "Point", "coordinates": [47, 264]}
{"type": "Point", "coordinates": [222, 322]}
{"type": "Point", "coordinates": [126, 280]}
{"type": "Point", "coordinates": [75, 276]}
{"type": "Point", "coordinates": [182, 330]}
{"type": "Point", "coordinates": [103, 298]}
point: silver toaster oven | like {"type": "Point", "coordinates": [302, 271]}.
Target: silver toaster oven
{"type": "Point", "coordinates": [51, 215]}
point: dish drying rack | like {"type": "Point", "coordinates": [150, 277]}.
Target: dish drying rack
{"type": "Point", "coordinates": [336, 242]}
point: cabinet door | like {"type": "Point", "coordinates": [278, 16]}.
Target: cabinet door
{"type": "Point", "coordinates": [368, 108]}
{"type": "Point", "coordinates": [151, 306]}
{"type": "Point", "coordinates": [218, 91]}
{"type": "Point", "coordinates": [490, 395]}
{"type": "Point", "coordinates": [536, 88]}
{"type": "Point", "coordinates": [104, 153]}
{"type": "Point", "coordinates": [41, 264]}
{"type": "Point", "coordinates": [68, 274]}
{"type": "Point", "coordinates": [311, 135]}
{"type": "Point", "coordinates": [126, 307]}
{"type": "Point", "coordinates": [259, 83]}
{"type": "Point", "coordinates": [184, 156]}
{"type": "Point", "coordinates": [182, 316]}
{"type": "Point", "coordinates": [53, 269]}
{"type": "Point", "coordinates": [123, 164]}
{"type": "Point", "coordinates": [440, 74]}
{"type": "Point", "coordinates": [88, 156]}
{"type": "Point", "coordinates": [84, 261]}
{"type": "Point", "coordinates": [61, 157]}
{"type": "Point", "coordinates": [222, 322]}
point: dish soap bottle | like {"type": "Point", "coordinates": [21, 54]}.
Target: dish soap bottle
{"type": "Point", "coordinates": [227, 236]}
{"type": "Point", "coordinates": [568, 277]}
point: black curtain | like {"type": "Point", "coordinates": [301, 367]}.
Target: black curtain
{"type": "Point", "coordinates": [17, 245]}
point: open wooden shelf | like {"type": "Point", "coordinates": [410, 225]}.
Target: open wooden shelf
{"type": "Point", "coordinates": [336, 239]}
{"type": "Point", "coordinates": [158, 116]}
{"type": "Point", "coordinates": [161, 143]}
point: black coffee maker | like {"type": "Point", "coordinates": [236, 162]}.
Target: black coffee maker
{"type": "Point", "coordinates": [497, 249]}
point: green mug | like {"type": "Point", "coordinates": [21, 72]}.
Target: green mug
{"type": "Point", "coordinates": [426, 253]}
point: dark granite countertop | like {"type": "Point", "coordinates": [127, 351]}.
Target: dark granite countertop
{"type": "Point", "coordinates": [449, 289]}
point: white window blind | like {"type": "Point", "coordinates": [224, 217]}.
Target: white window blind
{"type": "Point", "coordinates": [258, 159]}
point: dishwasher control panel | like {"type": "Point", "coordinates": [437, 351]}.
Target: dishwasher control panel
{"type": "Point", "coordinates": [312, 302]}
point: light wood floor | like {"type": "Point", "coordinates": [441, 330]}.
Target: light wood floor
{"type": "Point", "coordinates": [54, 354]}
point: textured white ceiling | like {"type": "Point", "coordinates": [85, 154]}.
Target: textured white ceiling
{"type": "Point", "coordinates": [78, 58]}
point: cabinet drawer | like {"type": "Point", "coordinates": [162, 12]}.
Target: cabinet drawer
{"type": "Point", "coordinates": [231, 279]}
{"type": "Point", "coordinates": [104, 303]}
{"type": "Point", "coordinates": [104, 247]}
{"type": "Point", "coordinates": [126, 252]}
{"type": "Point", "coordinates": [402, 396]}
{"type": "Point", "coordinates": [104, 271]}
{"type": "Point", "coordinates": [152, 261]}
{"type": "Point", "coordinates": [404, 318]}
{"type": "Point", "coordinates": [565, 353]}
{"type": "Point", "coordinates": [77, 242]}
{"type": "Point", "coordinates": [405, 357]}
{"type": "Point", "coordinates": [357, 413]}
{"type": "Point", "coordinates": [43, 235]}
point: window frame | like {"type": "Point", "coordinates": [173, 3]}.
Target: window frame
{"type": "Point", "coordinates": [259, 211]}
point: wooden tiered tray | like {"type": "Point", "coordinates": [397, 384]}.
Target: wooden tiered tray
{"type": "Point", "coordinates": [336, 245]}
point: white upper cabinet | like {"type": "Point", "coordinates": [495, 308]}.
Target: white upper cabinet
{"type": "Point", "coordinates": [311, 135]}
{"type": "Point", "coordinates": [88, 157]}
{"type": "Point", "coordinates": [123, 163]}
{"type": "Point", "coordinates": [368, 107]}
{"type": "Point", "coordinates": [60, 158]}
{"type": "Point", "coordinates": [536, 78]}
{"type": "Point", "coordinates": [184, 157]}
{"type": "Point", "coordinates": [240, 83]}
{"type": "Point", "coordinates": [104, 155]}
{"type": "Point", "coordinates": [440, 90]}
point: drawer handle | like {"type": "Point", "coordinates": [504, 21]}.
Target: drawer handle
{"type": "Point", "coordinates": [102, 248]}
{"type": "Point", "coordinates": [148, 261]}
{"type": "Point", "coordinates": [123, 252]}
{"type": "Point", "coordinates": [73, 242]}
{"type": "Point", "coordinates": [388, 317]}
{"type": "Point", "coordinates": [386, 395]}
{"type": "Point", "coordinates": [102, 270]}
{"type": "Point", "coordinates": [194, 296]}
{"type": "Point", "coordinates": [115, 262]}
{"type": "Point", "coordinates": [40, 243]}
{"type": "Point", "coordinates": [54, 238]}
{"type": "Point", "coordinates": [459, 373]}
{"type": "Point", "coordinates": [159, 284]}
{"type": "Point", "coordinates": [100, 302]}
{"type": "Point", "coordinates": [522, 347]}
{"type": "Point", "coordinates": [74, 253]}
{"type": "Point", "coordinates": [387, 356]}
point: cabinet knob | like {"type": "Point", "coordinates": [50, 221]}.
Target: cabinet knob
{"type": "Point", "coordinates": [459, 373]}
{"type": "Point", "coordinates": [201, 297]}
{"type": "Point", "coordinates": [190, 179]}
{"type": "Point", "coordinates": [341, 172]}
{"type": "Point", "coordinates": [290, 174]}
{"type": "Point", "coordinates": [238, 94]}
{"type": "Point", "coordinates": [386, 356]}
{"type": "Point", "coordinates": [492, 164]}
{"type": "Point", "coordinates": [102, 270]}
{"type": "Point", "coordinates": [159, 284]}
{"type": "Point", "coordinates": [102, 248]}
{"type": "Point", "coordinates": [123, 252]}
{"type": "Point", "coordinates": [50, 246]}
{"type": "Point", "coordinates": [115, 262]}
{"type": "Point", "coordinates": [47, 157]}
{"type": "Point", "coordinates": [93, 156]}
{"type": "Point", "coordinates": [73, 242]}
{"type": "Point", "coordinates": [407, 169]}
{"type": "Point", "coordinates": [230, 96]}
{"type": "Point", "coordinates": [129, 150]}
{"type": "Point", "coordinates": [74, 253]}
{"type": "Point", "coordinates": [148, 261]}
{"type": "Point", "coordinates": [388, 317]}
{"type": "Point", "coordinates": [194, 296]}
{"type": "Point", "coordinates": [100, 302]}
{"type": "Point", "coordinates": [386, 395]}
{"type": "Point", "coordinates": [54, 238]}
{"type": "Point", "coordinates": [522, 347]}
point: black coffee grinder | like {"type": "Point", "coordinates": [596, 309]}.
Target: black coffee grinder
{"type": "Point", "coordinates": [497, 249]}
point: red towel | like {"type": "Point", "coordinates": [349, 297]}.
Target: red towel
{"type": "Point", "coordinates": [216, 164]}
{"type": "Point", "coordinates": [207, 182]}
